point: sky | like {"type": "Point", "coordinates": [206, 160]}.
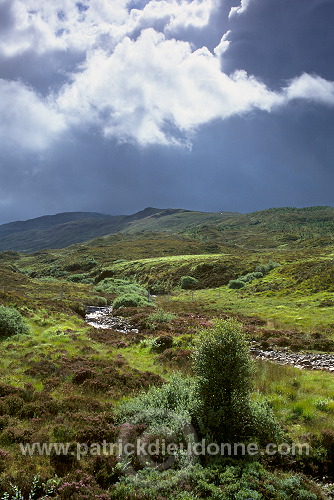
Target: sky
{"type": "Point", "coordinates": [112, 106]}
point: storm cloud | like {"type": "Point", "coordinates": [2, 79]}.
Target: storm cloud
{"type": "Point", "coordinates": [209, 105]}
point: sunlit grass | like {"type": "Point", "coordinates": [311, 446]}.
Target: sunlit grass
{"type": "Point", "coordinates": [300, 312]}
{"type": "Point", "coordinates": [302, 400]}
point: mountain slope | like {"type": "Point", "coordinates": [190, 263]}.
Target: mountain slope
{"type": "Point", "coordinates": [64, 229]}
{"type": "Point", "coordinates": [272, 228]}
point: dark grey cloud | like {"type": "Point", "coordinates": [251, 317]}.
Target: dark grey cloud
{"type": "Point", "coordinates": [45, 73]}
{"type": "Point", "coordinates": [244, 162]}
{"type": "Point", "coordinates": [278, 40]}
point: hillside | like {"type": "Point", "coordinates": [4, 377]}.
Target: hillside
{"type": "Point", "coordinates": [62, 230]}
{"type": "Point", "coordinates": [273, 228]}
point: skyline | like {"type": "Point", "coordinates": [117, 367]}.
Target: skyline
{"type": "Point", "coordinates": [205, 105]}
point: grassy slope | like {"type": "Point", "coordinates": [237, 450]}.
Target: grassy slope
{"type": "Point", "coordinates": [280, 227]}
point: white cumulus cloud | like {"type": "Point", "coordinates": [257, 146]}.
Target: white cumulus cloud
{"type": "Point", "coordinates": [26, 121]}
{"type": "Point", "coordinates": [241, 9]}
{"type": "Point", "coordinates": [152, 89]}
{"type": "Point", "coordinates": [135, 82]}
{"type": "Point", "coordinates": [311, 87]}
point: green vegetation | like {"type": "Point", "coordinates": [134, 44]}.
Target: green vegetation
{"type": "Point", "coordinates": [129, 300]}
{"type": "Point", "coordinates": [120, 287]}
{"type": "Point", "coordinates": [188, 282]}
{"type": "Point", "coordinates": [235, 284]}
{"type": "Point", "coordinates": [260, 271]}
{"type": "Point", "coordinates": [178, 371]}
{"type": "Point", "coordinates": [224, 409]}
{"type": "Point", "coordinates": [11, 322]}
{"type": "Point", "coordinates": [238, 482]}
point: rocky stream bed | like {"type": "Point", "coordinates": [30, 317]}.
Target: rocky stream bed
{"type": "Point", "coordinates": [102, 318]}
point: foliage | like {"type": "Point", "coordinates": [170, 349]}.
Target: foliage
{"type": "Point", "coordinates": [188, 282]}
{"type": "Point", "coordinates": [176, 397]}
{"type": "Point", "coordinates": [161, 414]}
{"type": "Point", "coordinates": [233, 480]}
{"type": "Point", "coordinates": [37, 489]}
{"type": "Point", "coordinates": [235, 284]}
{"type": "Point", "coordinates": [251, 276]}
{"type": "Point", "coordinates": [223, 368]}
{"type": "Point", "coordinates": [11, 322]}
{"type": "Point", "coordinates": [98, 301]}
{"type": "Point", "coordinates": [80, 278]}
{"type": "Point", "coordinates": [120, 286]}
{"type": "Point", "coordinates": [266, 268]}
{"type": "Point", "coordinates": [159, 317]}
{"type": "Point", "coordinates": [260, 271]}
{"type": "Point", "coordinates": [130, 300]}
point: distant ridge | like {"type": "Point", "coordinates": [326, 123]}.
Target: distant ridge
{"type": "Point", "coordinates": [268, 228]}
{"type": "Point", "coordinates": [46, 221]}
{"type": "Point", "coordinates": [64, 229]}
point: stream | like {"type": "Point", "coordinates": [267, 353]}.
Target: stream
{"type": "Point", "coordinates": [101, 317]}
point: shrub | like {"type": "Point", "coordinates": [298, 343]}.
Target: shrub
{"type": "Point", "coordinates": [259, 272]}
{"type": "Point", "coordinates": [99, 301]}
{"type": "Point", "coordinates": [266, 268]}
{"type": "Point", "coordinates": [80, 278]}
{"type": "Point", "coordinates": [251, 276]}
{"type": "Point", "coordinates": [11, 322]}
{"type": "Point", "coordinates": [120, 287]}
{"type": "Point", "coordinates": [248, 481]}
{"type": "Point", "coordinates": [223, 367]}
{"type": "Point", "coordinates": [160, 316]}
{"type": "Point", "coordinates": [168, 405]}
{"type": "Point", "coordinates": [188, 282]}
{"type": "Point", "coordinates": [235, 284]}
{"type": "Point", "coordinates": [129, 300]}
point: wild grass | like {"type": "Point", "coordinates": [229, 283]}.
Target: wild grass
{"type": "Point", "coordinates": [299, 312]}
{"type": "Point", "coordinates": [302, 400]}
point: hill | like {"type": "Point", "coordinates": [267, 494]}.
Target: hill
{"type": "Point", "coordinates": [62, 230]}
{"type": "Point", "coordinates": [286, 227]}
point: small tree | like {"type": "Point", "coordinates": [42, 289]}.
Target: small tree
{"type": "Point", "coordinates": [11, 322]}
{"type": "Point", "coordinates": [223, 408]}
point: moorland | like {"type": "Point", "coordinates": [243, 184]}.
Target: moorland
{"type": "Point", "coordinates": [186, 284]}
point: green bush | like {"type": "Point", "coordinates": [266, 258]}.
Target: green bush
{"type": "Point", "coordinates": [223, 367]}
{"type": "Point", "coordinates": [160, 316]}
{"type": "Point", "coordinates": [130, 300]}
{"type": "Point", "coordinates": [80, 278]}
{"type": "Point", "coordinates": [188, 282]}
{"type": "Point", "coordinates": [120, 287]}
{"type": "Point", "coordinates": [99, 301]}
{"type": "Point", "coordinates": [266, 268]}
{"type": "Point", "coordinates": [247, 481]}
{"type": "Point", "coordinates": [235, 284]}
{"type": "Point", "coordinates": [224, 410]}
{"type": "Point", "coordinates": [251, 276]}
{"type": "Point", "coordinates": [163, 413]}
{"type": "Point", "coordinates": [11, 322]}
{"type": "Point", "coordinates": [259, 272]}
